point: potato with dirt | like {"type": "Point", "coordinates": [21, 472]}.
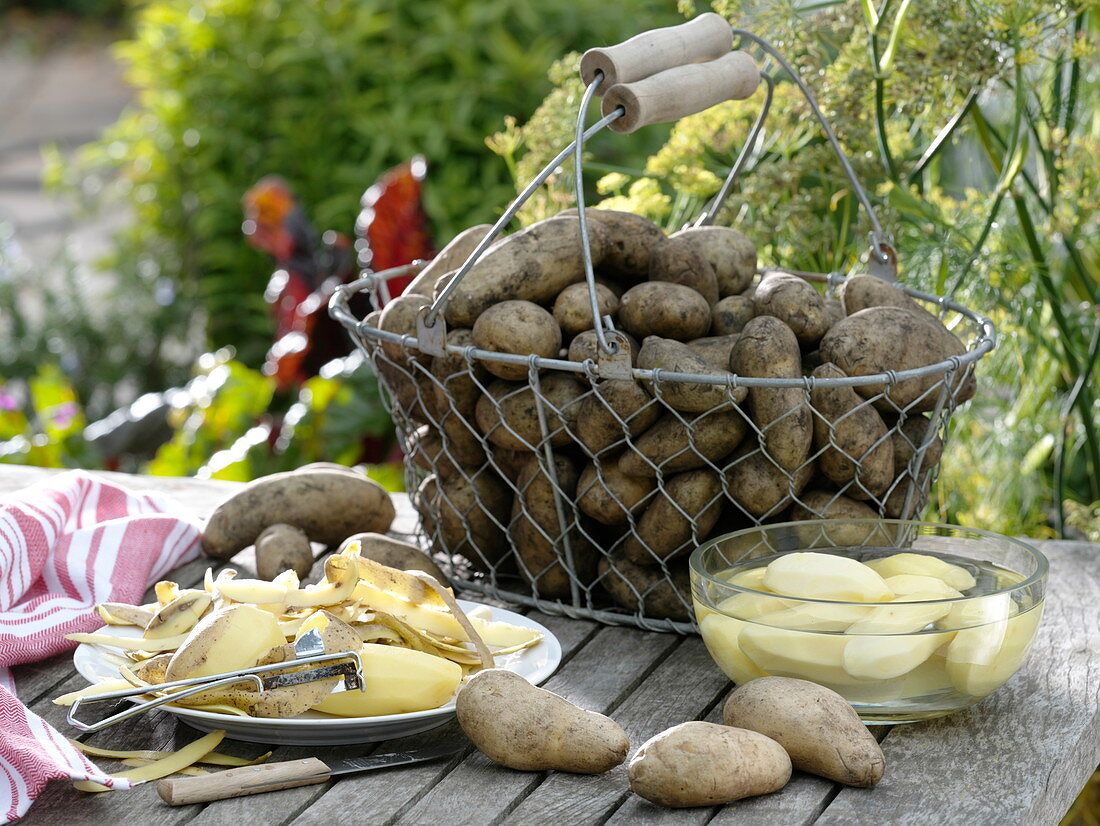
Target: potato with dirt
{"type": "Point", "coordinates": [795, 302]}
{"type": "Point", "coordinates": [677, 518]}
{"type": "Point", "coordinates": [631, 240]}
{"type": "Point", "coordinates": [615, 409]}
{"type": "Point", "coordinates": [681, 261]}
{"type": "Point", "coordinates": [327, 505]}
{"type": "Point", "coordinates": [458, 381]}
{"type": "Point", "coordinates": [730, 253]}
{"type": "Point", "coordinates": [573, 307]}
{"type": "Point", "coordinates": [534, 264]}
{"type": "Point", "coordinates": [400, 384]}
{"type": "Point", "coordinates": [879, 339]}
{"type": "Point", "coordinates": [645, 589]}
{"type": "Point", "coordinates": [858, 292]}
{"type": "Point", "coordinates": [659, 308]}
{"type": "Point", "coordinates": [705, 764]}
{"type": "Point", "coordinates": [759, 486]}
{"type": "Point", "coordinates": [517, 725]}
{"type": "Point", "coordinates": [730, 315]}
{"type": "Point", "coordinates": [586, 346]}
{"type": "Point", "coordinates": [518, 327]}
{"type": "Point", "coordinates": [910, 435]}
{"type": "Point", "coordinates": [399, 317]}
{"type": "Point", "coordinates": [829, 505]}
{"type": "Point", "coordinates": [676, 443]}
{"type": "Point", "coordinates": [449, 446]}
{"type": "Point", "coordinates": [690, 397]}
{"type": "Point", "coordinates": [767, 348]}
{"type": "Point", "coordinates": [447, 260]}
{"type": "Point", "coordinates": [714, 350]}
{"type": "Point", "coordinates": [281, 548]}
{"type": "Point", "coordinates": [508, 414]}
{"type": "Point", "coordinates": [536, 532]}
{"type": "Point", "coordinates": [856, 452]}
{"type": "Point", "coordinates": [610, 496]}
{"type": "Point", "coordinates": [467, 516]}
{"type": "Point", "coordinates": [817, 727]}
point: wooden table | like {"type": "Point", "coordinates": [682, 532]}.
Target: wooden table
{"type": "Point", "coordinates": [1019, 757]}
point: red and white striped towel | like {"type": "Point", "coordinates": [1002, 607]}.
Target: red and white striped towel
{"type": "Point", "coordinates": [66, 545]}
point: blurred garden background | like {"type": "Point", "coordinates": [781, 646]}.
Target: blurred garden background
{"type": "Point", "coordinates": [134, 329]}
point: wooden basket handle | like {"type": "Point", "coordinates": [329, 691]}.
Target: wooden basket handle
{"type": "Point", "coordinates": [681, 91]}
{"type": "Point", "coordinates": [703, 38]}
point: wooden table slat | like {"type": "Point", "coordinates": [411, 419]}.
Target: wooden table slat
{"type": "Point", "coordinates": [683, 687]}
{"type": "Point", "coordinates": [478, 791]}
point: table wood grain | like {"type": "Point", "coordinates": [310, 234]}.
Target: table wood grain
{"type": "Point", "coordinates": [1019, 757]}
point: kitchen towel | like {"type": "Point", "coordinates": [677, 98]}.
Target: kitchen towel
{"type": "Point", "coordinates": [66, 545]}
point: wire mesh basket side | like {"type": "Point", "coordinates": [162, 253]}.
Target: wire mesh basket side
{"type": "Point", "coordinates": [583, 496]}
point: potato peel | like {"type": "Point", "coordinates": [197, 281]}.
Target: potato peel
{"type": "Point", "coordinates": [405, 609]}
{"type": "Point", "coordinates": [178, 760]}
{"type": "Point", "coordinates": [190, 771]}
{"type": "Point", "coordinates": [214, 758]}
{"type": "Point", "coordinates": [91, 691]}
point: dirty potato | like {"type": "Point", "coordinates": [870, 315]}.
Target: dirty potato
{"type": "Point", "coordinates": [730, 253]}
{"type": "Point", "coordinates": [681, 261]}
{"type": "Point", "coordinates": [659, 308]}
{"type": "Point", "coordinates": [519, 327]}
{"type": "Point", "coordinates": [767, 348]}
{"type": "Point", "coordinates": [573, 307]}
{"type": "Point", "coordinates": [853, 440]}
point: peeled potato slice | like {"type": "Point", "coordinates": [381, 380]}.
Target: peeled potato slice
{"type": "Point", "coordinates": [883, 657]}
{"type": "Point", "coordinates": [753, 579]}
{"type": "Point", "coordinates": [924, 565]}
{"type": "Point", "coordinates": [916, 587]}
{"type": "Point", "coordinates": [981, 678]}
{"type": "Point", "coordinates": [181, 759]}
{"type": "Point", "coordinates": [899, 619]}
{"type": "Point", "coordinates": [825, 576]}
{"type": "Point", "coordinates": [721, 633]}
{"type": "Point", "coordinates": [783, 652]}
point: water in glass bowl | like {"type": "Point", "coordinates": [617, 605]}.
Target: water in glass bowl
{"type": "Point", "coordinates": [903, 636]}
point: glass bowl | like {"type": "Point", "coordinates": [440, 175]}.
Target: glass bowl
{"type": "Point", "coordinates": [953, 622]}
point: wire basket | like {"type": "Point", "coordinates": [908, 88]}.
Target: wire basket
{"type": "Point", "coordinates": [522, 504]}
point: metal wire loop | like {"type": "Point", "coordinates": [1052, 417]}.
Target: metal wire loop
{"type": "Point", "coordinates": [710, 213]}
{"type": "Point", "coordinates": [878, 235]}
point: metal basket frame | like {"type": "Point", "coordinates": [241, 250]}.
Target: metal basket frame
{"type": "Point", "coordinates": [582, 600]}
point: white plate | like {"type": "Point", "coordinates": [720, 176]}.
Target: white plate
{"type": "Point", "coordinates": [100, 663]}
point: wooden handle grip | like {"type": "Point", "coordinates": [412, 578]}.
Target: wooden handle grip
{"type": "Point", "coordinates": [704, 38]}
{"type": "Point", "coordinates": [267, 777]}
{"type": "Point", "coordinates": [681, 91]}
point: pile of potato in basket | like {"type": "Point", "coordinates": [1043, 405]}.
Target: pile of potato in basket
{"type": "Point", "coordinates": [594, 491]}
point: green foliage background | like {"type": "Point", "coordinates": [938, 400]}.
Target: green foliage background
{"type": "Point", "coordinates": [329, 94]}
{"type": "Point", "coordinates": [975, 125]}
